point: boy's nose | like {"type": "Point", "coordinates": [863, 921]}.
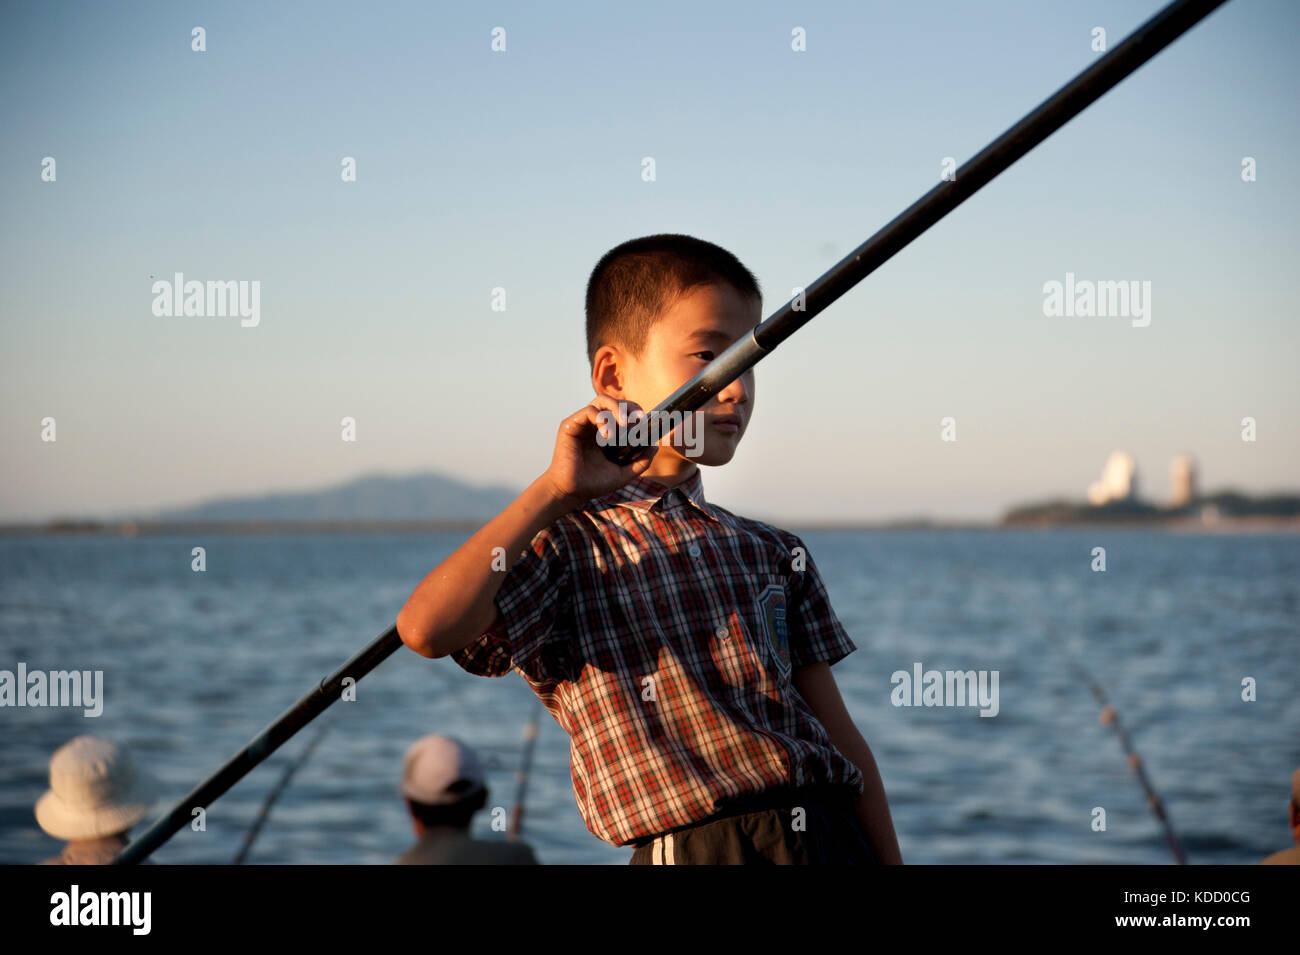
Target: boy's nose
{"type": "Point", "coordinates": [736, 392]}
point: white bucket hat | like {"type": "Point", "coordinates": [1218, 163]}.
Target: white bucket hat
{"type": "Point", "coordinates": [95, 790]}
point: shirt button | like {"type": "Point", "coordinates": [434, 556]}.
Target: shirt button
{"type": "Point", "coordinates": [695, 550]}
{"type": "Point", "coordinates": [722, 633]}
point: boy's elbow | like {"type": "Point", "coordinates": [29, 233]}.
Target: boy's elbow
{"type": "Point", "coordinates": [422, 638]}
{"type": "Point", "coordinates": [415, 636]}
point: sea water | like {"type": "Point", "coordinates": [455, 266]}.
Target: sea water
{"type": "Point", "coordinates": [1176, 631]}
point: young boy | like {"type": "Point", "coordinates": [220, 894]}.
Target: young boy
{"type": "Point", "coordinates": [685, 650]}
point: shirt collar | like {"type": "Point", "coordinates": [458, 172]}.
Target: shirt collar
{"type": "Point", "coordinates": [647, 494]}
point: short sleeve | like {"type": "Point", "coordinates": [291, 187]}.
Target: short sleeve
{"type": "Point", "coordinates": [816, 634]}
{"type": "Point", "coordinates": [532, 630]}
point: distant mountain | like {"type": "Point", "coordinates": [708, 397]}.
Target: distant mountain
{"type": "Point", "coordinates": [373, 497]}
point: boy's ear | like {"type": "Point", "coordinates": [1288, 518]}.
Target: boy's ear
{"type": "Point", "coordinates": [606, 371]}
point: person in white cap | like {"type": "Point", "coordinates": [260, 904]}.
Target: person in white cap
{"type": "Point", "coordinates": [444, 786]}
{"type": "Point", "coordinates": [96, 795]}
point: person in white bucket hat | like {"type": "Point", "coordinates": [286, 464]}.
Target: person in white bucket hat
{"type": "Point", "coordinates": [96, 795]}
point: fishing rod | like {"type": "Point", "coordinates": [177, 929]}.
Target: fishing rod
{"type": "Point", "coordinates": [262, 746]}
{"type": "Point", "coordinates": [1053, 113]}
{"type": "Point", "coordinates": [1110, 717]}
{"type": "Point", "coordinates": [530, 741]}
{"type": "Point", "coordinates": [251, 836]}
{"type": "Point", "coordinates": [1071, 99]}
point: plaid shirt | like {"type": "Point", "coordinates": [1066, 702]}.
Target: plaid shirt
{"type": "Point", "coordinates": [661, 632]}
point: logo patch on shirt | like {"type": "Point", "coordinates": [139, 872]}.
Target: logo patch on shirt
{"type": "Point", "coordinates": [771, 612]}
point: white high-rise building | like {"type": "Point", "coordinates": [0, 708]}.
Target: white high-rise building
{"type": "Point", "coordinates": [1118, 480]}
{"type": "Point", "coordinates": [1182, 480]}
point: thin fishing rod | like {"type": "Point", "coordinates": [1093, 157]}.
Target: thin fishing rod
{"type": "Point", "coordinates": [516, 827]}
{"type": "Point", "coordinates": [262, 746]}
{"type": "Point", "coordinates": [1144, 43]}
{"type": "Point", "coordinates": [1110, 717]}
{"type": "Point", "coordinates": [264, 813]}
{"type": "Point", "coordinates": [1053, 113]}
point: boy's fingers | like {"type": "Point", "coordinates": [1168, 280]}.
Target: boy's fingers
{"type": "Point", "coordinates": [602, 417]}
{"type": "Point", "coordinates": [575, 423]}
{"type": "Point", "coordinates": [607, 416]}
{"type": "Point", "coordinates": [626, 412]}
{"type": "Point", "coordinates": [589, 419]}
{"type": "Point", "coordinates": [601, 421]}
{"type": "Point", "coordinates": [579, 425]}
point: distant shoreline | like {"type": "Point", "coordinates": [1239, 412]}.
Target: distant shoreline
{"type": "Point", "coordinates": [129, 529]}
{"type": "Point", "coordinates": [378, 503]}
{"type": "Point", "coordinates": [1253, 524]}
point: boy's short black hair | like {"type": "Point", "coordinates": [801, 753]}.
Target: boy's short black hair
{"type": "Point", "coordinates": [634, 283]}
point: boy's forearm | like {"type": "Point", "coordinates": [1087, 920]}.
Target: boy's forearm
{"type": "Point", "coordinates": [873, 809]}
{"type": "Point", "coordinates": [817, 686]}
{"type": "Point", "coordinates": [453, 604]}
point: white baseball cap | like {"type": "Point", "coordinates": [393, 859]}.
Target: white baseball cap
{"type": "Point", "coordinates": [440, 771]}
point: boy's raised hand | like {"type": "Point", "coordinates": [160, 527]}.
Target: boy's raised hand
{"type": "Point", "coordinates": [579, 469]}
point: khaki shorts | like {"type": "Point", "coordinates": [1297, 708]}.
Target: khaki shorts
{"type": "Point", "coordinates": [803, 827]}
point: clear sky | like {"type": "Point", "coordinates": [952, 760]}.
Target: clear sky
{"type": "Point", "coordinates": [518, 169]}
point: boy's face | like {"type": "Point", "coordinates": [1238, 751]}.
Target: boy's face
{"type": "Point", "coordinates": [692, 332]}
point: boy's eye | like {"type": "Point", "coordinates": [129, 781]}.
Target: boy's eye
{"type": "Point", "coordinates": [706, 355]}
